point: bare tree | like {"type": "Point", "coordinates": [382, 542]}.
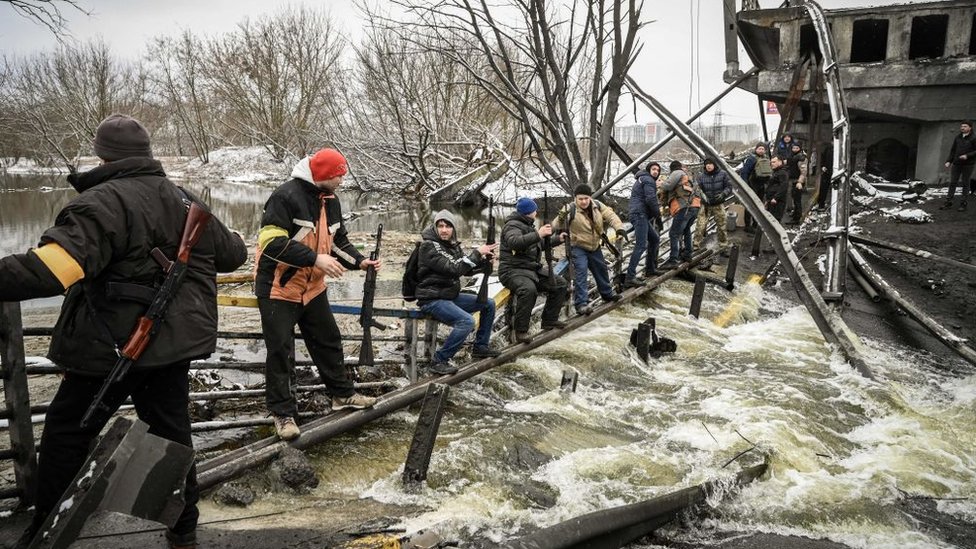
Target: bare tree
{"type": "Point", "coordinates": [556, 69]}
{"type": "Point", "coordinates": [46, 12]}
{"type": "Point", "coordinates": [180, 75]}
{"type": "Point", "coordinates": [275, 77]}
{"type": "Point", "coordinates": [62, 97]}
{"type": "Point", "coordinates": [417, 112]}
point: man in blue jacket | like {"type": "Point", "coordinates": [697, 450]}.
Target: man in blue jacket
{"type": "Point", "coordinates": [645, 216]}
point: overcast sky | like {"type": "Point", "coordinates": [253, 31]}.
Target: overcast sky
{"type": "Point", "coordinates": [681, 63]}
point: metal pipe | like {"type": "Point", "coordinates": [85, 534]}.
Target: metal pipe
{"type": "Point", "coordinates": [861, 239]}
{"type": "Point", "coordinates": [831, 325]}
{"type": "Point", "coordinates": [670, 135]}
{"type": "Point", "coordinates": [48, 331]}
{"type": "Point", "coordinates": [870, 290]}
{"type": "Point", "coordinates": [949, 339]}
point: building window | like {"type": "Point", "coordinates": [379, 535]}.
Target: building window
{"type": "Point", "coordinates": [928, 36]}
{"type": "Point", "coordinates": [869, 41]}
{"type": "Point", "coordinates": [809, 44]}
{"type": "Point", "coordinates": [972, 37]}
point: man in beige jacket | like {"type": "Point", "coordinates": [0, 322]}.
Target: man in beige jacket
{"type": "Point", "coordinates": [586, 220]}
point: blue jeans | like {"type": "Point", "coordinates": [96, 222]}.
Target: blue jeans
{"type": "Point", "coordinates": [645, 232]}
{"type": "Point", "coordinates": [680, 234]}
{"type": "Point", "coordinates": [457, 315]}
{"type": "Point", "coordinates": [596, 264]}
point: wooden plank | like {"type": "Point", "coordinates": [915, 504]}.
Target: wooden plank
{"type": "Point", "coordinates": [17, 400]}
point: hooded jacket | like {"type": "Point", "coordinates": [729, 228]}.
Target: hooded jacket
{"type": "Point", "coordinates": [586, 227]}
{"type": "Point", "coordinates": [681, 191]}
{"type": "Point", "coordinates": [963, 145]}
{"type": "Point", "coordinates": [643, 197]}
{"type": "Point", "coordinates": [520, 248]}
{"type": "Point", "coordinates": [442, 263]}
{"type": "Point", "coordinates": [715, 185]}
{"type": "Point", "coordinates": [99, 250]}
{"type": "Point", "coordinates": [300, 221]}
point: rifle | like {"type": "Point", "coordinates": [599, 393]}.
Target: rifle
{"type": "Point", "coordinates": [570, 268]}
{"type": "Point", "coordinates": [617, 263]}
{"type": "Point", "coordinates": [196, 221]}
{"type": "Point", "coordinates": [483, 290]}
{"type": "Point", "coordinates": [366, 319]}
{"type": "Point", "coordinates": [547, 241]}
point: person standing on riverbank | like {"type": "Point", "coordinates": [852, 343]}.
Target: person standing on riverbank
{"type": "Point", "coordinates": [99, 251]}
{"type": "Point", "coordinates": [440, 266]}
{"type": "Point", "coordinates": [684, 199]}
{"type": "Point", "coordinates": [960, 162]}
{"type": "Point", "coordinates": [520, 269]}
{"type": "Point", "coordinates": [301, 242]}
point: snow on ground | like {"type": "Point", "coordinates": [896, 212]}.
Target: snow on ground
{"type": "Point", "coordinates": [241, 164]}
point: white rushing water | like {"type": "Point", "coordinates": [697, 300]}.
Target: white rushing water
{"type": "Point", "coordinates": [842, 449]}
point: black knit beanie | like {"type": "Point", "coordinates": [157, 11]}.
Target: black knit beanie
{"type": "Point", "coordinates": [120, 136]}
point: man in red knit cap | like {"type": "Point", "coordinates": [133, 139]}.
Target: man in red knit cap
{"type": "Point", "coordinates": [302, 241]}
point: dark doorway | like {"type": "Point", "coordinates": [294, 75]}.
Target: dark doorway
{"type": "Point", "coordinates": [869, 41]}
{"type": "Point", "coordinates": [890, 159]}
{"type": "Point", "coordinates": [809, 45]}
{"type": "Point", "coordinates": [928, 36]}
{"type": "Point", "coordinates": [972, 37]}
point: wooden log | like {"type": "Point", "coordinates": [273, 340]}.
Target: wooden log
{"type": "Point", "coordinates": [424, 435]}
{"type": "Point", "coordinates": [235, 462]}
{"type": "Point", "coordinates": [618, 526]}
{"type": "Point", "coordinates": [732, 267]}
{"type": "Point", "coordinates": [696, 297]}
{"type": "Point", "coordinates": [17, 400]}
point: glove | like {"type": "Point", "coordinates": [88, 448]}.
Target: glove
{"type": "Point", "coordinates": [612, 235]}
{"type": "Point", "coordinates": [659, 223]}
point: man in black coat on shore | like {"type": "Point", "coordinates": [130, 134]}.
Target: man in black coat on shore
{"type": "Point", "coordinates": [777, 188]}
{"type": "Point", "coordinates": [99, 252]}
{"type": "Point", "coordinates": [961, 162]}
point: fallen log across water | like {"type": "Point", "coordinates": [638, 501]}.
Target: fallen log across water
{"type": "Point", "coordinates": [618, 526]}
{"type": "Point", "coordinates": [236, 462]}
{"type": "Point", "coordinates": [951, 340]}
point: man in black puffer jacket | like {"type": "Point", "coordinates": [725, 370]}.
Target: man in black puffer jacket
{"type": "Point", "coordinates": [521, 271]}
{"type": "Point", "coordinates": [99, 251]}
{"type": "Point", "coordinates": [440, 266]}
{"type": "Point", "coordinates": [716, 187]}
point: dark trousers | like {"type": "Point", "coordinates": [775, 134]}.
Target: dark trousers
{"type": "Point", "coordinates": [525, 290]}
{"type": "Point", "coordinates": [645, 238]}
{"type": "Point", "coordinates": [758, 186]}
{"type": "Point", "coordinates": [322, 339]}
{"type": "Point", "coordinates": [777, 209]}
{"type": "Point", "coordinates": [960, 172]}
{"type": "Point", "coordinates": [824, 193]}
{"type": "Point", "coordinates": [797, 196]}
{"type": "Point", "coordinates": [680, 234]}
{"type": "Point", "coordinates": [160, 396]}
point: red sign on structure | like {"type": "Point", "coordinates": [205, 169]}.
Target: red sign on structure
{"type": "Point", "coordinates": [771, 108]}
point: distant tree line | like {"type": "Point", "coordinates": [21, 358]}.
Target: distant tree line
{"type": "Point", "coordinates": [408, 101]}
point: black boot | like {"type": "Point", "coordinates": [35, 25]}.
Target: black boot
{"type": "Point", "coordinates": [947, 205]}
{"type": "Point", "coordinates": [962, 206]}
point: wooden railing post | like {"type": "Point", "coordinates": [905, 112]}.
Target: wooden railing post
{"type": "Point", "coordinates": [17, 399]}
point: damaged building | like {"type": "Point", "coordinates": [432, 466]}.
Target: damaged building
{"type": "Point", "coordinates": [908, 73]}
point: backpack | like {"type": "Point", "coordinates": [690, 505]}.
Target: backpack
{"type": "Point", "coordinates": [411, 274]}
{"type": "Point", "coordinates": [762, 167]}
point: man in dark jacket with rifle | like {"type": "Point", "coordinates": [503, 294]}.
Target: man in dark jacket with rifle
{"type": "Point", "coordinates": [441, 264]}
{"type": "Point", "coordinates": [100, 251]}
{"type": "Point", "coordinates": [301, 242]}
{"type": "Point", "coordinates": [521, 271]}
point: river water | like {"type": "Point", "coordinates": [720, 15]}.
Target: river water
{"type": "Point", "coordinates": [514, 452]}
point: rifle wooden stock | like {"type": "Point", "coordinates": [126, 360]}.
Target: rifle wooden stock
{"type": "Point", "coordinates": [197, 219]}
